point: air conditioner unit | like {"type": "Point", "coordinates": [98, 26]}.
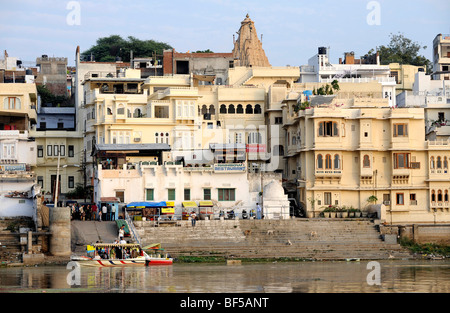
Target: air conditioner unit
{"type": "Point", "coordinates": [387, 202]}
{"type": "Point", "coordinates": [137, 139]}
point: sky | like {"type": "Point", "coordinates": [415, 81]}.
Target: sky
{"type": "Point", "coordinates": [291, 30]}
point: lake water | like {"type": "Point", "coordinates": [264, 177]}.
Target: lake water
{"type": "Point", "coordinates": [305, 277]}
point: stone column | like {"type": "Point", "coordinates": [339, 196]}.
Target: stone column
{"type": "Point", "coordinates": [60, 240]}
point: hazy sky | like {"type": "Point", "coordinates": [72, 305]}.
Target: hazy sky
{"type": "Point", "coordinates": [291, 29]}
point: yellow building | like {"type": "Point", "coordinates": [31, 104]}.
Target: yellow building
{"type": "Point", "coordinates": [404, 75]}
{"type": "Point", "coordinates": [352, 147]}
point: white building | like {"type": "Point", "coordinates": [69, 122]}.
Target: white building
{"type": "Point", "coordinates": [349, 70]}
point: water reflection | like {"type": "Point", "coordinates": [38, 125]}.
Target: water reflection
{"type": "Point", "coordinates": [306, 277]}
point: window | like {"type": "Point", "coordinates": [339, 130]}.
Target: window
{"type": "Point", "coordinates": [71, 151]}
{"type": "Point", "coordinates": [40, 151]}
{"type": "Point", "coordinates": [121, 195]}
{"type": "Point", "coordinates": [432, 162]}
{"type": "Point", "coordinates": [49, 150]}
{"type": "Point", "coordinates": [366, 161]}
{"type": "Point", "coordinates": [248, 109]}
{"type": "Point", "coordinates": [40, 181]}
{"type": "Point", "coordinates": [223, 109]}
{"type": "Point", "coordinates": [433, 196]}
{"type": "Point", "coordinates": [328, 129]}
{"type": "Point", "coordinates": [446, 196]}
{"type": "Point", "coordinates": [278, 120]}
{"type": "Point", "coordinates": [187, 194]}
{"type": "Point", "coordinates": [226, 194]}
{"type": "Point", "coordinates": [237, 138]}
{"type": "Point", "coordinates": [319, 161]}
{"type": "Point", "coordinates": [400, 199]}
{"type": "Point", "coordinates": [327, 198]}
{"type": "Point", "coordinates": [240, 109]}
{"type": "Point", "coordinates": [62, 150]}
{"type": "Point", "coordinates": [257, 109]}
{"type": "Point", "coordinates": [231, 109]}
{"type": "Point", "coordinates": [337, 161]}
{"type": "Point", "coordinates": [60, 125]}
{"type": "Point", "coordinates": [278, 150]}
{"type": "Point", "coordinates": [401, 160]}
{"type": "Point", "coordinates": [43, 125]}
{"type": "Point", "coordinates": [207, 194]}
{"type": "Point", "coordinates": [400, 130]}
{"type": "Point", "coordinates": [386, 198]}
{"type": "Point", "coordinates": [71, 182]}
{"type": "Point", "coordinates": [445, 163]}
{"type": "Point", "coordinates": [412, 199]}
{"type": "Point", "coordinates": [11, 103]}
{"type": "Point", "coordinates": [171, 194]}
{"type": "Point", "coordinates": [149, 194]}
{"type": "Point", "coordinates": [438, 162]}
{"type": "Point", "coordinates": [439, 196]}
{"type": "Point", "coordinates": [55, 150]}
{"type": "Point", "coordinates": [328, 161]}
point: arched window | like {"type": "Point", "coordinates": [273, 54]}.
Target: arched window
{"type": "Point", "coordinates": [257, 109]}
{"type": "Point", "coordinates": [240, 109]}
{"type": "Point", "coordinates": [337, 161]}
{"type": "Point", "coordinates": [231, 109]}
{"type": "Point", "coordinates": [328, 161]}
{"type": "Point", "coordinates": [446, 195]}
{"type": "Point", "coordinates": [223, 109]}
{"type": "Point", "coordinates": [121, 110]}
{"type": "Point", "coordinates": [433, 196]}
{"type": "Point", "coordinates": [432, 162]}
{"type": "Point", "coordinates": [445, 163]}
{"type": "Point", "coordinates": [248, 109]}
{"type": "Point", "coordinates": [137, 112]}
{"type": "Point", "coordinates": [212, 110]}
{"type": "Point", "coordinates": [438, 162]}
{"type": "Point", "coordinates": [319, 161]}
{"type": "Point", "coordinates": [294, 140]}
{"type": "Point", "coordinates": [366, 161]}
{"type": "Point", "coordinates": [439, 196]}
{"type": "Point", "coordinates": [204, 109]}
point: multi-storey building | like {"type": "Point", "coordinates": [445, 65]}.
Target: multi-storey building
{"type": "Point", "coordinates": [441, 57]}
{"type": "Point", "coordinates": [346, 150]}
{"type": "Point", "coordinates": [17, 149]}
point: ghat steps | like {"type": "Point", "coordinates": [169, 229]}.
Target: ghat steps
{"type": "Point", "coordinates": [295, 238]}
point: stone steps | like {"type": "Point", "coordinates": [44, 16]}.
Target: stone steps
{"type": "Point", "coordinates": [308, 238]}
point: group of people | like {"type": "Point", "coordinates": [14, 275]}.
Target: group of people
{"type": "Point", "coordinates": [91, 212]}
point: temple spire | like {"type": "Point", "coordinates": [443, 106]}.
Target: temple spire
{"type": "Point", "coordinates": [248, 48]}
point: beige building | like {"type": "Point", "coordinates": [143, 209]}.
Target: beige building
{"type": "Point", "coordinates": [345, 151]}
{"type": "Point", "coordinates": [17, 149]}
{"type": "Point", "coordinates": [404, 75]}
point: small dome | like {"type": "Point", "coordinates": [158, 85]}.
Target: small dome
{"type": "Point", "coordinates": [273, 190]}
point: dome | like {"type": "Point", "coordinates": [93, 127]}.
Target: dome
{"type": "Point", "coordinates": [273, 190]}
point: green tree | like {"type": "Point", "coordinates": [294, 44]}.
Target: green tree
{"type": "Point", "coordinates": [204, 51]}
{"type": "Point", "coordinates": [107, 49]}
{"type": "Point", "coordinates": [402, 50]}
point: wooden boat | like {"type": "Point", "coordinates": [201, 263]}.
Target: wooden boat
{"type": "Point", "coordinates": [116, 254]}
